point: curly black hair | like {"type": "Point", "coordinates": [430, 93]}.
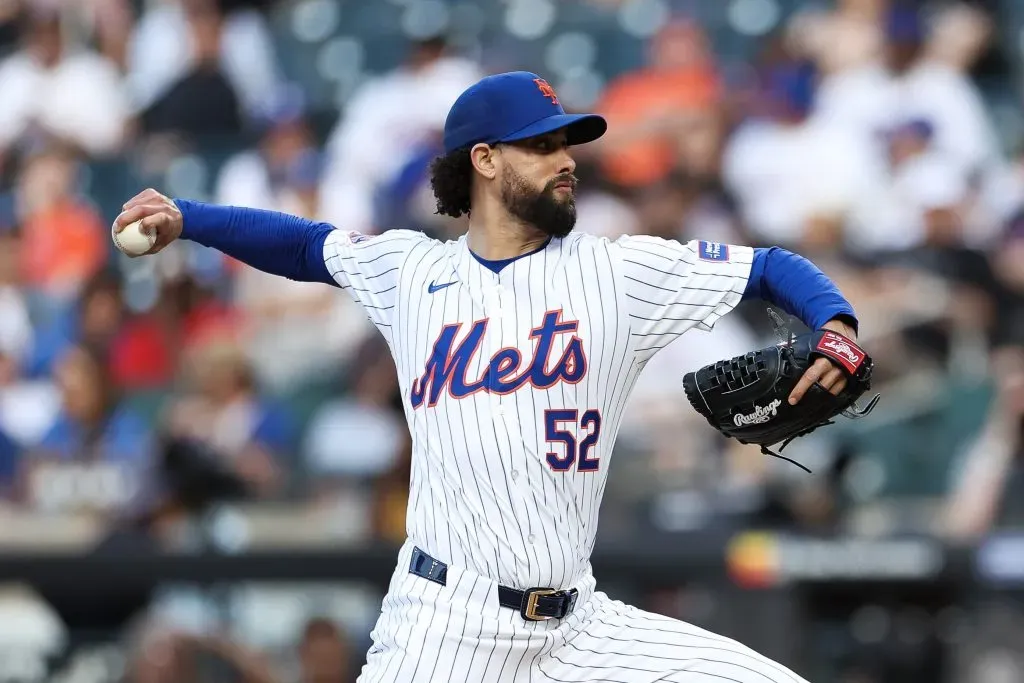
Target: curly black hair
{"type": "Point", "coordinates": [451, 177]}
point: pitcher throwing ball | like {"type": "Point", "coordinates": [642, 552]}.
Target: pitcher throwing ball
{"type": "Point", "coordinates": [517, 346]}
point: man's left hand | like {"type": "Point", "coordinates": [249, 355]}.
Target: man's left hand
{"type": "Point", "coordinates": [823, 371]}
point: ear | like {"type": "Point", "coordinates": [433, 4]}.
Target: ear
{"type": "Point", "coordinates": [484, 159]}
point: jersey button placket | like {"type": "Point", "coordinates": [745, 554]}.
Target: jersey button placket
{"type": "Point", "coordinates": [506, 315]}
{"type": "Point", "coordinates": [494, 344]}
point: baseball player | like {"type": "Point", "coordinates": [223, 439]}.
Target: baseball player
{"type": "Point", "coordinates": [517, 346]}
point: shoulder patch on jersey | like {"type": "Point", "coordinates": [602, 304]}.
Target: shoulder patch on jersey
{"type": "Point", "coordinates": [712, 251]}
{"type": "Point", "coordinates": [357, 237]}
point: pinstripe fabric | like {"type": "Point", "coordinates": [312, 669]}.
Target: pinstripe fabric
{"type": "Point", "coordinates": [429, 633]}
{"type": "Point", "coordinates": [514, 387]}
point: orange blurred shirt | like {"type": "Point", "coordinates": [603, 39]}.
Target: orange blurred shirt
{"type": "Point", "coordinates": [63, 246]}
{"type": "Point", "coordinates": [645, 95]}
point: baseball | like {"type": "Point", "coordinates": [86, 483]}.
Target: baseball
{"type": "Point", "coordinates": [132, 240]}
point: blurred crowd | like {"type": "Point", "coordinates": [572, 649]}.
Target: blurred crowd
{"type": "Point", "coordinates": [880, 138]}
{"type": "Point", "coordinates": [860, 134]}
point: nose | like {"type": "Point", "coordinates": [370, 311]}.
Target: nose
{"type": "Point", "coordinates": [566, 164]}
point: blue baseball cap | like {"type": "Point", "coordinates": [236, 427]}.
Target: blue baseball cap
{"type": "Point", "coordinates": [514, 106]}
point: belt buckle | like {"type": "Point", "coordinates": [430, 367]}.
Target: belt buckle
{"type": "Point", "coordinates": [529, 610]}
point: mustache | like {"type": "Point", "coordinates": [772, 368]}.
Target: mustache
{"type": "Point", "coordinates": [564, 178]}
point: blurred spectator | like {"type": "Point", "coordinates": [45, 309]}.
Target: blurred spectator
{"type": "Point", "coordinates": [847, 37]}
{"type": "Point", "coordinates": [200, 101]}
{"type": "Point", "coordinates": [988, 490]}
{"type": "Point", "coordinates": [657, 114]}
{"type": "Point", "coordinates": [171, 509]}
{"type": "Point", "coordinates": [282, 172]}
{"type": "Point", "coordinates": [229, 55]}
{"type": "Point", "coordinates": [93, 320]}
{"type": "Point", "coordinates": [109, 23]}
{"type": "Point", "coordinates": [795, 176]}
{"type": "Point", "coordinates": [387, 121]}
{"type": "Point", "coordinates": [160, 653]}
{"type": "Point", "coordinates": [293, 330]}
{"type": "Point", "coordinates": [989, 484]}
{"type": "Point", "coordinates": [16, 333]}
{"type": "Point", "coordinates": [156, 655]}
{"type": "Point", "coordinates": [407, 200]}
{"type": "Point", "coordinates": [64, 239]}
{"type": "Point", "coordinates": [93, 456]}
{"type": "Point", "coordinates": [224, 410]}
{"type": "Point", "coordinates": [960, 33]}
{"type": "Point", "coordinates": [358, 435]}
{"type": "Point", "coordinates": [296, 332]}
{"type": "Point", "coordinates": [324, 654]}
{"type": "Point", "coordinates": [603, 208]}
{"type": "Point", "coordinates": [682, 207]}
{"type": "Point", "coordinates": [915, 79]}
{"type": "Point", "coordinates": [102, 310]}
{"type": "Point", "coordinates": [922, 197]}
{"type": "Point", "coordinates": [52, 88]}
{"type": "Point", "coordinates": [9, 15]}
{"type": "Point", "coordinates": [150, 346]}
{"type": "Point", "coordinates": [357, 445]}
{"type": "Point", "coordinates": [27, 408]}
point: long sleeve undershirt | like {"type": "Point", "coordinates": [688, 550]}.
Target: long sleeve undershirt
{"type": "Point", "coordinates": [292, 247]}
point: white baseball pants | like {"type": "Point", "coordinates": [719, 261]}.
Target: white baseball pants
{"type": "Point", "coordinates": [457, 633]}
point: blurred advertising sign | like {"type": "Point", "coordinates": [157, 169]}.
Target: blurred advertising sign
{"type": "Point", "coordinates": [764, 560]}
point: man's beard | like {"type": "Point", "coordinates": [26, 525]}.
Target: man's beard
{"type": "Point", "coordinates": [540, 209]}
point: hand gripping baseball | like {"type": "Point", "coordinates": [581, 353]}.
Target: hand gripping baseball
{"type": "Point", "coordinates": [158, 214]}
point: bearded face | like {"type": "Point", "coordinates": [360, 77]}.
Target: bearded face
{"type": "Point", "coordinates": [537, 184]}
{"type": "Point", "coordinates": [551, 208]}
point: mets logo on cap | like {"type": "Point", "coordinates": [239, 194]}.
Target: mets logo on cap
{"type": "Point", "coordinates": [546, 90]}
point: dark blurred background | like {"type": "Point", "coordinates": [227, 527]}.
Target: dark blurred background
{"type": "Point", "coordinates": [204, 469]}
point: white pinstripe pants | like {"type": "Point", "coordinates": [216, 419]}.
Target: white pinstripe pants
{"type": "Point", "coordinates": [430, 633]}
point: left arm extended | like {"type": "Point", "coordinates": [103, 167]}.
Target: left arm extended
{"type": "Point", "coordinates": [798, 287]}
{"type": "Point", "coordinates": [668, 287]}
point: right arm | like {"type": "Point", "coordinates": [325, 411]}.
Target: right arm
{"type": "Point", "coordinates": [284, 245]}
{"type": "Point", "coordinates": [276, 243]}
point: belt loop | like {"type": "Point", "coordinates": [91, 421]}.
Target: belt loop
{"type": "Point", "coordinates": [427, 567]}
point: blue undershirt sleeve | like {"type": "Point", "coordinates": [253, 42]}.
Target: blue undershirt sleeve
{"type": "Point", "coordinates": [798, 287]}
{"type": "Point", "coordinates": [276, 243]}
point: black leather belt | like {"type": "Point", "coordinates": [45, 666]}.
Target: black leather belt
{"type": "Point", "coordinates": [534, 604]}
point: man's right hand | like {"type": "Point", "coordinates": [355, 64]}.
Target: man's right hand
{"type": "Point", "coordinates": [158, 214]}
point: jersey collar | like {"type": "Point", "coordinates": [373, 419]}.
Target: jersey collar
{"type": "Point", "coordinates": [474, 273]}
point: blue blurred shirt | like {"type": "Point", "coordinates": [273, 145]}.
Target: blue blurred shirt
{"type": "Point", "coordinates": [126, 439]}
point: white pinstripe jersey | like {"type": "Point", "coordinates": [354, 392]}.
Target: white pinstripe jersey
{"type": "Point", "coordinates": [514, 383]}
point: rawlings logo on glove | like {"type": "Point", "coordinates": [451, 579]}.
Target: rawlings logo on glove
{"type": "Point", "coordinates": [745, 397]}
{"type": "Point", "coordinates": [839, 348]}
{"type": "Point", "coordinates": [761, 414]}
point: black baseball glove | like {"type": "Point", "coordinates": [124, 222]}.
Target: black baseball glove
{"type": "Point", "coordinates": [747, 397]}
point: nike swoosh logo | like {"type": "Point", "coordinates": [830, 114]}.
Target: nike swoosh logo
{"type": "Point", "coordinates": [431, 288]}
